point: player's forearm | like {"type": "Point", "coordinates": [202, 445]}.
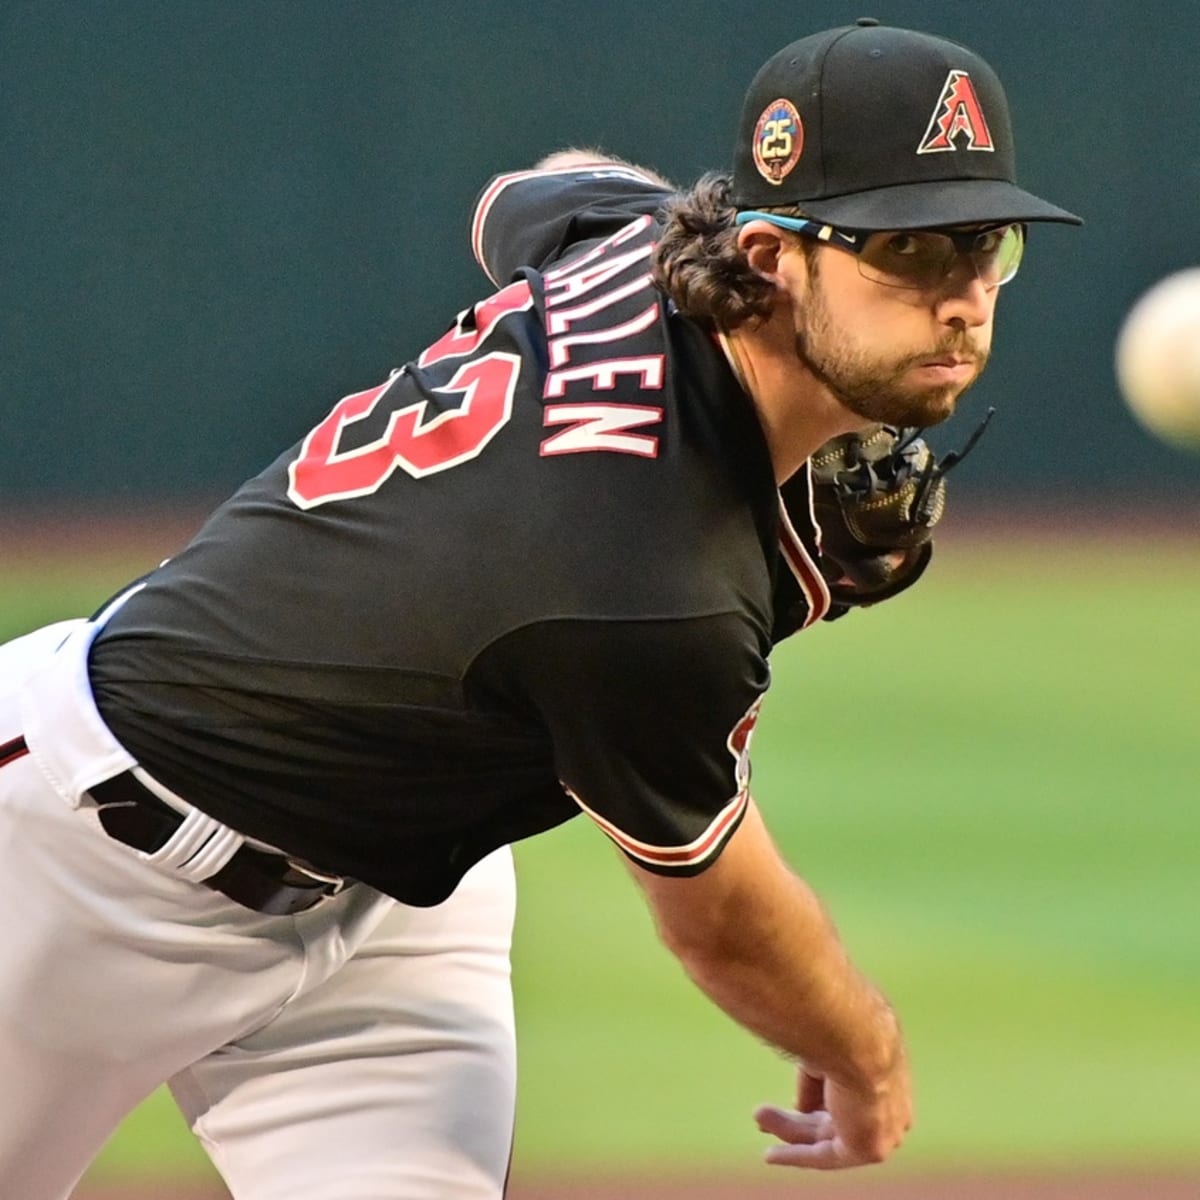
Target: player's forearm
{"type": "Point", "coordinates": [758, 942]}
{"type": "Point", "coordinates": [781, 971]}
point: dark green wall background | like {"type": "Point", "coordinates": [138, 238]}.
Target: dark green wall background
{"type": "Point", "coordinates": [218, 217]}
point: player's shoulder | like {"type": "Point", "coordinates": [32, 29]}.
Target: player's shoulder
{"type": "Point", "coordinates": [526, 218]}
{"type": "Point", "coordinates": [569, 178]}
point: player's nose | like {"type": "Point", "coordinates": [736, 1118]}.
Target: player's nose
{"type": "Point", "coordinates": [965, 300]}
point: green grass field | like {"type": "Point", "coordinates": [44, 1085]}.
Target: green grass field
{"type": "Point", "coordinates": [993, 782]}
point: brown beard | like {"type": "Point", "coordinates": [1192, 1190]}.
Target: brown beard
{"type": "Point", "coordinates": [872, 388]}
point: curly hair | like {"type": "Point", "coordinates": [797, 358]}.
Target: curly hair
{"type": "Point", "coordinates": [698, 262]}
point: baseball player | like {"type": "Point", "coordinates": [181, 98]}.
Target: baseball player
{"type": "Point", "coordinates": [256, 808]}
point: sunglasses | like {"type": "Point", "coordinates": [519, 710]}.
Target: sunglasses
{"type": "Point", "coordinates": [915, 258]}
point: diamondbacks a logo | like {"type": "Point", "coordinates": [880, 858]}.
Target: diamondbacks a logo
{"type": "Point", "coordinates": [778, 141]}
{"type": "Point", "coordinates": [957, 113]}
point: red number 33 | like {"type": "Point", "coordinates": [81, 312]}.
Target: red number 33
{"type": "Point", "coordinates": [323, 473]}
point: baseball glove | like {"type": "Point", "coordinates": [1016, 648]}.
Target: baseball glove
{"type": "Point", "coordinates": [877, 496]}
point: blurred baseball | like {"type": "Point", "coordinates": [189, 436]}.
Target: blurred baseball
{"type": "Point", "coordinates": [1158, 358]}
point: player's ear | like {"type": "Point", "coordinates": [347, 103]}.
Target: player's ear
{"type": "Point", "coordinates": [763, 243]}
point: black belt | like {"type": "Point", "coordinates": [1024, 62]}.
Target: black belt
{"type": "Point", "coordinates": [267, 883]}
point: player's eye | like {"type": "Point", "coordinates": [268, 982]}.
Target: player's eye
{"type": "Point", "coordinates": [903, 245]}
{"type": "Point", "coordinates": [921, 255]}
{"type": "Point", "coordinates": [990, 241]}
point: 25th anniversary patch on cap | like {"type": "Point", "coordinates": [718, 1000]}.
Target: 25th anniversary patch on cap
{"type": "Point", "coordinates": [778, 141]}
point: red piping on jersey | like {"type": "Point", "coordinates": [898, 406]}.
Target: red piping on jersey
{"type": "Point", "coordinates": [677, 856]}
{"type": "Point", "coordinates": [11, 751]}
{"type": "Point", "coordinates": [812, 582]}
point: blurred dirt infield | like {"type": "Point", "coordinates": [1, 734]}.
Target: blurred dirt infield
{"type": "Point", "coordinates": [797, 1186]}
{"type": "Point", "coordinates": [858, 1186]}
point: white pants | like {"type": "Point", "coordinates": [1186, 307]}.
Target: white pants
{"type": "Point", "coordinates": [362, 1050]}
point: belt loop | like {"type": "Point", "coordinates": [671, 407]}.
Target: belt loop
{"type": "Point", "coordinates": [199, 848]}
{"type": "Point", "coordinates": [201, 845]}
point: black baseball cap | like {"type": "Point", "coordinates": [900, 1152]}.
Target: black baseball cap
{"type": "Point", "coordinates": [872, 127]}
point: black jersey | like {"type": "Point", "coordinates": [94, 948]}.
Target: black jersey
{"type": "Point", "coordinates": [538, 570]}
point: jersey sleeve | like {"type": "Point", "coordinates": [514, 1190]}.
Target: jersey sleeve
{"type": "Point", "coordinates": [651, 724]}
{"type": "Point", "coordinates": [528, 218]}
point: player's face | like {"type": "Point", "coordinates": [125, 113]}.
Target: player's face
{"type": "Point", "coordinates": [896, 355]}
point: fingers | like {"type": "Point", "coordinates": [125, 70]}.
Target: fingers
{"type": "Point", "coordinates": [849, 1133]}
{"type": "Point", "coordinates": [794, 1127]}
{"type": "Point", "coordinates": [811, 1092]}
{"type": "Point", "coordinates": [809, 1139]}
{"type": "Point", "coordinates": [828, 1155]}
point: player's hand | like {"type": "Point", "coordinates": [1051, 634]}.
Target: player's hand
{"type": "Point", "coordinates": [836, 1125]}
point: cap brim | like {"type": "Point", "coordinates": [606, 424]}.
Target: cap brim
{"type": "Point", "coordinates": [925, 205]}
